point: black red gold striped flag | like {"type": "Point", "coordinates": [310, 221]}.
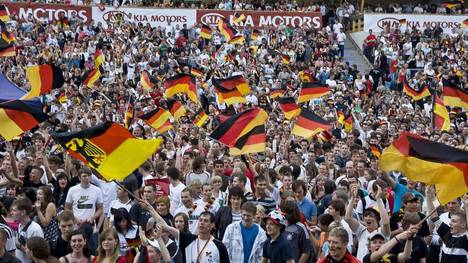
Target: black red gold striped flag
{"type": "Point", "coordinates": [429, 162]}
{"type": "Point", "coordinates": [91, 76]}
{"type": "Point", "coordinates": [8, 37]}
{"type": "Point", "coordinates": [158, 119]}
{"type": "Point", "coordinates": [305, 76]}
{"type": "Point", "coordinates": [108, 148]}
{"type": "Point", "coordinates": [440, 115]}
{"type": "Point", "coordinates": [376, 151]}
{"type": "Point", "coordinates": [231, 90]}
{"type": "Point", "coordinates": [464, 24]}
{"type": "Point", "coordinates": [200, 118]}
{"type": "Point", "coordinates": [454, 96]}
{"type": "Point", "coordinates": [19, 116]}
{"type": "Point", "coordinates": [226, 29]}
{"type": "Point", "coordinates": [286, 59]}
{"type": "Point", "coordinates": [346, 121]}
{"type": "Point", "coordinates": [255, 34]}
{"type": "Point", "coordinates": [176, 109]}
{"type": "Point", "coordinates": [147, 81]}
{"type": "Point", "coordinates": [252, 142]}
{"type": "Point", "coordinates": [239, 17]}
{"type": "Point", "coordinates": [289, 107]}
{"type": "Point", "coordinates": [324, 136]}
{"type": "Point", "coordinates": [309, 124]}
{"type": "Point", "coordinates": [8, 51]}
{"type": "Point", "coordinates": [99, 58]}
{"type": "Point", "coordinates": [181, 83]}
{"type": "Point", "coordinates": [414, 94]}
{"type": "Point", "coordinates": [239, 39]}
{"type": "Point", "coordinates": [238, 82]}
{"type": "Point", "coordinates": [236, 126]}
{"type": "Point", "coordinates": [196, 72]}
{"type": "Point", "coordinates": [129, 114]}
{"type": "Point", "coordinates": [43, 79]}
{"type": "Point", "coordinates": [4, 14]}
{"type": "Point", "coordinates": [311, 91]}
{"type": "Point", "coordinates": [206, 32]}
{"type": "Point", "coordinates": [276, 93]}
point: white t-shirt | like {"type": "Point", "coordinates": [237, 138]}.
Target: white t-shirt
{"type": "Point", "coordinates": [84, 200]}
{"type": "Point", "coordinates": [362, 235]}
{"type": "Point", "coordinates": [32, 229]}
{"type": "Point", "coordinates": [174, 196]}
{"type": "Point", "coordinates": [109, 192]}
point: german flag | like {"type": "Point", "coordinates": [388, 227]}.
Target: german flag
{"type": "Point", "coordinates": [196, 72]}
{"type": "Point", "coordinates": [238, 17]}
{"type": "Point", "coordinates": [4, 14]}
{"type": "Point", "coordinates": [181, 83]}
{"type": "Point", "coordinates": [19, 116]}
{"type": "Point", "coordinates": [308, 124]}
{"type": "Point", "coordinates": [129, 114]}
{"type": "Point", "coordinates": [285, 58]}
{"type": "Point", "coordinates": [239, 39]}
{"type": "Point", "coordinates": [237, 82]}
{"type": "Point", "coordinates": [236, 126]}
{"type": "Point", "coordinates": [376, 151]}
{"type": "Point", "coordinates": [8, 37]}
{"type": "Point", "coordinates": [98, 58]}
{"type": "Point", "coordinates": [305, 76]}
{"type": "Point", "coordinates": [62, 98]}
{"type": "Point", "coordinates": [158, 119]}
{"type": "Point", "coordinates": [440, 115]}
{"type": "Point", "coordinates": [451, 5]}
{"type": "Point", "coordinates": [464, 24]}
{"type": "Point", "coordinates": [226, 29]}
{"type": "Point", "coordinates": [276, 93]}
{"type": "Point", "coordinates": [429, 162]}
{"type": "Point", "coordinates": [229, 96]}
{"type": "Point", "coordinates": [252, 142]}
{"type": "Point", "coordinates": [255, 34]}
{"type": "Point", "coordinates": [8, 51]}
{"type": "Point", "coordinates": [289, 107]}
{"type": "Point", "coordinates": [91, 76]}
{"type": "Point", "coordinates": [348, 123]}
{"type": "Point", "coordinates": [414, 94]}
{"type": "Point", "coordinates": [108, 148]}
{"type": "Point", "coordinates": [341, 117]}
{"type": "Point", "coordinates": [43, 79]}
{"type": "Point", "coordinates": [454, 96]}
{"type": "Point", "coordinates": [311, 91]}
{"type": "Point", "coordinates": [176, 109]}
{"type": "Point", "coordinates": [200, 118]}
{"type": "Point", "coordinates": [206, 32]}
{"type": "Point", "coordinates": [324, 136]}
{"type": "Point", "coordinates": [146, 80]}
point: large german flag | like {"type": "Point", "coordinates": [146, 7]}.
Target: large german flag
{"type": "Point", "coordinates": [289, 107]}
{"type": "Point", "coordinates": [252, 142]}
{"type": "Point", "coordinates": [228, 96]}
{"type": "Point", "coordinates": [234, 82]}
{"type": "Point", "coordinates": [43, 79]}
{"type": "Point", "coordinates": [99, 58]}
{"type": "Point", "coordinates": [429, 162]}
{"type": "Point", "coordinates": [376, 151]}
{"type": "Point", "coordinates": [236, 126]}
{"type": "Point", "coordinates": [181, 83]}
{"type": "Point", "coordinates": [276, 93]}
{"type": "Point", "coordinates": [8, 51]}
{"type": "Point", "coordinates": [440, 115]}
{"type": "Point", "coordinates": [176, 109]}
{"type": "Point", "coordinates": [308, 124]}
{"type": "Point", "coordinates": [4, 14]}
{"type": "Point", "coordinates": [200, 118]}
{"type": "Point", "coordinates": [158, 119]}
{"type": "Point", "coordinates": [226, 29]}
{"type": "Point", "coordinates": [91, 76]}
{"type": "Point", "coordinates": [108, 148]}
{"type": "Point", "coordinates": [146, 80]}
{"type": "Point", "coordinates": [19, 116]}
{"type": "Point", "coordinates": [414, 94]}
{"type": "Point", "coordinates": [311, 91]}
{"type": "Point", "coordinates": [205, 32]}
{"type": "Point", "coordinates": [454, 96]}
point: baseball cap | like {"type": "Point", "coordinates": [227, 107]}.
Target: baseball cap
{"type": "Point", "coordinates": [376, 234]}
{"type": "Point", "coordinates": [276, 217]}
{"type": "Point", "coordinates": [408, 197]}
{"type": "Point", "coordinates": [154, 243]}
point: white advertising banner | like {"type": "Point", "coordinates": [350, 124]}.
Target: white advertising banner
{"type": "Point", "coordinates": [377, 22]}
{"type": "Point", "coordinates": [154, 17]}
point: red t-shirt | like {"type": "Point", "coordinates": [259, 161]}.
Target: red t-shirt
{"type": "Point", "coordinates": [371, 41]}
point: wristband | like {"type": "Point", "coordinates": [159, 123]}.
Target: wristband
{"type": "Point", "coordinates": [398, 241]}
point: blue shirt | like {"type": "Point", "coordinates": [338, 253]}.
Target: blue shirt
{"type": "Point", "coordinates": [307, 208]}
{"type": "Point", "coordinates": [248, 239]}
{"type": "Point", "coordinates": [278, 251]}
{"type": "Point", "coordinates": [400, 190]}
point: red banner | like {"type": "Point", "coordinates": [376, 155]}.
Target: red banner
{"type": "Point", "coordinates": [47, 12]}
{"type": "Point", "coordinates": [260, 19]}
{"type": "Point", "coordinates": [162, 186]}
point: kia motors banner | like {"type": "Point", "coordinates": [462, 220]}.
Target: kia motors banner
{"type": "Point", "coordinates": [377, 22]}
{"type": "Point", "coordinates": [47, 12]}
{"type": "Point", "coordinates": [260, 19]}
{"type": "Point", "coordinates": [154, 17]}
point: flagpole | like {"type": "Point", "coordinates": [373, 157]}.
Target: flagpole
{"type": "Point", "coordinates": [428, 216]}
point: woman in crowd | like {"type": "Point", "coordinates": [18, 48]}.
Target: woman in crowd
{"type": "Point", "coordinates": [46, 212]}
{"type": "Point", "coordinates": [181, 222]}
{"type": "Point", "coordinates": [79, 249]}
{"type": "Point", "coordinates": [109, 248]}
{"type": "Point", "coordinates": [127, 232]}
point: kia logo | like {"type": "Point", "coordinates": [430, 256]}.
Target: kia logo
{"type": "Point", "coordinates": [388, 21]}
{"type": "Point", "coordinates": [211, 18]}
{"type": "Point", "coordinates": [111, 16]}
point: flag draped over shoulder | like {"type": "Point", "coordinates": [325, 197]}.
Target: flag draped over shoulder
{"type": "Point", "coordinates": [43, 79]}
{"type": "Point", "coordinates": [454, 96]}
{"type": "Point", "coordinates": [440, 115]}
{"type": "Point", "coordinates": [309, 124]}
{"type": "Point", "coordinates": [289, 107]}
{"type": "Point", "coordinates": [181, 83]}
{"type": "Point", "coordinates": [429, 162]}
{"type": "Point", "coordinates": [236, 126]}
{"type": "Point", "coordinates": [108, 148]}
{"type": "Point", "coordinates": [311, 91]}
{"type": "Point", "coordinates": [19, 116]}
{"type": "Point", "coordinates": [158, 119]}
{"type": "Point", "coordinates": [414, 94]}
{"type": "Point", "coordinates": [252, 142]}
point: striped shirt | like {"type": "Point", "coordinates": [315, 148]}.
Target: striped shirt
{"type": "Point", "coordinates": [454, 247]}
{"type": "Point", "coordinates": [10, 243]}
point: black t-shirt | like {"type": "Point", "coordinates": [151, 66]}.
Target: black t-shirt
{"type": "Point", "coordinates": [59, 248]}
{"type": "Point", "coordinates": [278, 251]}
{"type": "Point", "coordinates": [395, 220]}
{"type": "Point", "coordinates": [139, 215]}
{"type": "Point", "coordinates": [8, 258]}
{"type": "Point", "coordinates": [387, 258]}
{"type": "Point", "coordinates": [419, 249]}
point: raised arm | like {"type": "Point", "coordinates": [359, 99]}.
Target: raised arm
{"type": "Point", "coordinates": [352, 222]}
{"type": "Point", "coordinates": [385, 248]}
{"type": "Point", "coordinates": [383, 212]}
{"type": "Point", "coordinates": [174, 232]}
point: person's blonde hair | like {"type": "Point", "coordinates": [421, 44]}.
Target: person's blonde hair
{"type": "Point", "coordinates": [216, 178]}
{"type": "Point", "coordinates": [101, 253]}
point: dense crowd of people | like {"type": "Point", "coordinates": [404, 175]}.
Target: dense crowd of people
{"type": "Point", "coordinates": [301, 200]}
